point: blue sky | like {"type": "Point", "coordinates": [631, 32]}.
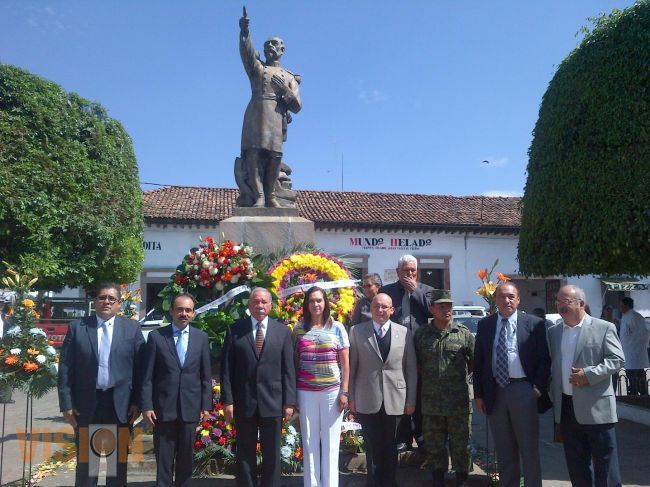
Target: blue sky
{"type": "Point", "coordinates": [409, 97]}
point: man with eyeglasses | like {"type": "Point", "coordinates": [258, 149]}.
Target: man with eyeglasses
{"type": "Point", "coordinates": [586, 352]}
{"type": "Point", "coordinates": [511, 371]}
{"type": "Point", "coordinates": [99, 381]}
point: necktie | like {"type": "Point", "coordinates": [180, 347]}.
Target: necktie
{"type": "Point", "coordinates": [181, 346]}
{"type": "Point", "coordinates": [502, 372]}
{"type": "Point", "coordinates": [382, 332]}
{"type": "Point", "coordinates": [406, 310]}
{"type": "Point", "coordinates": [103, 374]}
{"type": "Point", "coordinates": [259, 339]}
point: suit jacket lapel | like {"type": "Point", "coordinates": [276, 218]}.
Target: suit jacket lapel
{"type": "Point", "coordinates": [522, 330]}
{"type": "Point", "coordinates": [249, 335]}
{"type": "Point", "coordinates": [582, 338]}
{"type": "Point", "coordinates": [118, 335]}
{"type": "Point", "coordinates": [371, 336]}
{"type": "Point", "coordinates": [91, 330]}
{"type": "Point", "coordinates": [169, 338]}
{"type": "Point", "coordinates": [191, 345]}
{"type": "Point", "coordinates": [492, 331]}
{"type": "Point", "coordinates": [396, 337]}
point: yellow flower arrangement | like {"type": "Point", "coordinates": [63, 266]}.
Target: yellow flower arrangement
{"type": "Point", "coordinates": [306, 268]}
{"type": "Point", "coordinates": [488, 288]}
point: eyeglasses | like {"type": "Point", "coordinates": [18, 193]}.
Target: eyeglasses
{"type": "Point", "coordinates": [107, 298]}
{"type": "Point", "coordinates": [566, 301]}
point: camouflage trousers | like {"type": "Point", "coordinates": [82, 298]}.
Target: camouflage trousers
{"type": "Point", "coordinates": [436, 431]}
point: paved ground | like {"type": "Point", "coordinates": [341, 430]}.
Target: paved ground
{"type": "Point", "coordinates": [633, 440]}
{"type": "Point", "coordinates": [47, 424]}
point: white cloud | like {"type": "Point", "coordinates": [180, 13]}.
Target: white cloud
{"type": "Point", "coordinates": [502, 192]}
{"type": "Point", "coordinates": [494, 161]}
{"type": "Point", "coordinates": [372, 96]}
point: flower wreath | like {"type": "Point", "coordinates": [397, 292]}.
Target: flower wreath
{"type": "Point", "coordinates": [310, 268]}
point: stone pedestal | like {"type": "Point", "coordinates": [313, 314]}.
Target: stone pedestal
{"type": "Point", "coordinates": [268, 229]}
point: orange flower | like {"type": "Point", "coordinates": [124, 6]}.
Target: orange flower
{"type": "Point", "coordinates": [30, 366]}
{"type": "Point", "coordinates": [32, 351]}
{"type": "Point", "coordinates": [35, 314]}
{"type": "Point", "coordinates": [298, 454]}
{"type": "Point", "coordinates": [28, 303]}
{"type": "Point", "coordinates": [502, 278]}
{"type": "Point", "coordinates": [258, 448]}
{"type": "Point", "coordinates": [482, 274]}
{"type": "Point", "coordinates": [11, 360]}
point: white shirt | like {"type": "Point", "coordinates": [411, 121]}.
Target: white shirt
{"type": "Point", "coordinates": [385, 327]}
{"type": "Point", "coordinates": [109, 326]}
{"type": "Point", "coordinates": [570, 335]}
{"type": "Point", "coordinates": [265, 323]}
{"type": "Point", "coordinates": [100, 331]}
{"type": "Point", "coordinates": [516, 371]}
{"type": "Point", "coordinates": [634, 340]}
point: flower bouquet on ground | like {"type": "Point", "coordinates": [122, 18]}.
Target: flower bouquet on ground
{"type": "Point", "coordinates": [294, 274]}
{"type": "Point", "coordinates": [351, 437]}
{"type": "Point", "coordinates": [290, 449]}
{"type": "Point", "coordinates": [214, 440]}
{"type": "Point", "coordinates": [488, 287]}
{"type": "Point", "coordinates": [27, 360]}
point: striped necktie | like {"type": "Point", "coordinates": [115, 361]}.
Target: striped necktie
{"type": "Point", "coordinates": [502, 372]}
{"type": "Point", "coordinates": [259, 339]}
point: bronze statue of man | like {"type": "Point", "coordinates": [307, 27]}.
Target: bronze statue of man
{"type": "Point", "coordinates": [274, 95]}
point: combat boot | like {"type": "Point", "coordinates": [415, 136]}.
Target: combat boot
{"type": "Point", "coordinates": [461, 479]}
{"type": "Point", "coordinates": [438, 478]}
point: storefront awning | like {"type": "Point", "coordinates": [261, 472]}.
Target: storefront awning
{"type": "Point", "coordinates": [625, 286]}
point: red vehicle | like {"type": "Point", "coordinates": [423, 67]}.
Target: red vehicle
{"type": "Point", "coordinates": [57, 315]}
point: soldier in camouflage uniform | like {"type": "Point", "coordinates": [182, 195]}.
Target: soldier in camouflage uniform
{"type": "Point", "coordinates": [445, 352]}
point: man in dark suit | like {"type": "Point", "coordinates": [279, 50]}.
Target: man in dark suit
{"type": "Point", "coordinates": [412, 309]}
{"type": "Point", "coordinates": [511, 373]}
{"type": "Point", "coordinates": [99, 379]}
{"type": "Point", "coordinates": [176, 391]}
{"type": "Point", "coordinates": [258, 388]}
{"type": "Point", "coordinates": [383, 379]}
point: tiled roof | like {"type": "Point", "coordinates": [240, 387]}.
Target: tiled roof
{"type": "Point", "coordinates": [347, 209]}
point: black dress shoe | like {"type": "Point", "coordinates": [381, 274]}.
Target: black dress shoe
{"type": "Point", "coordinates": [402, 447]}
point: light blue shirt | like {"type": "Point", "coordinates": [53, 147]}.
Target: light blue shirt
{"type": "Point", "coordinates": [516, 371]}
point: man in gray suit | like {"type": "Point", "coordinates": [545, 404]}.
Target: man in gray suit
{"type": "Point", "coordinates": [99, 379]}
{"type": "Point", "coordinates": [585, 352]}
{"type": "Point", "coordinates": [383, 381]}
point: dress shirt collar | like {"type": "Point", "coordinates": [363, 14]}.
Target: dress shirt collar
{"type": "Point", "coordinates": [265, 323]}
{"type": "Point", "coordinates": [178, 331]}
{"type": "Point", "coordinates": [377, 327]}
{"type": "Point", "coordinates": [109, 322]}
{"type": "Point", "coordinates": [512, 319]}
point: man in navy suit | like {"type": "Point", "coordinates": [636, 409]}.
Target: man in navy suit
{"type": "Point", "coordinates": [258, 388]}
{"type": "Point", "coordinates": [512, 367]}
{"type": "Point", "coordinates": [99, 379]}
{"type": "Point", "coordinates": [176, 391]}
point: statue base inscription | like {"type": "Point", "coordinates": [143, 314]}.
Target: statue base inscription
{"type": "Point", "coordinates": [268, 233]}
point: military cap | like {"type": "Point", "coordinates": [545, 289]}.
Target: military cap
{"type": "Point", "coordinates": [441, 296]}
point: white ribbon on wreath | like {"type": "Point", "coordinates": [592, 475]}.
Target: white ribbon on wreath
{"type": "Point", "coordinates": [323, 285]}
{"type": "Point", "coordinates": [226, 297]}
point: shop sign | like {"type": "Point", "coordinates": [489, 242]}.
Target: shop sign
{"type": "Point", "coordinates": [389, 243]}
{"type": "Point", "coordinates": [151, 245]}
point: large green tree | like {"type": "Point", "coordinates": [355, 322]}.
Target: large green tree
{"type": "Point", "coordinates": [70, 201]}
{"type": "Point", "coordinates": [586, 203]}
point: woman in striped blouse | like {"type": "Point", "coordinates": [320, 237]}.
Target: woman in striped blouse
{"type": "Point", "coordinates": [322, 365]}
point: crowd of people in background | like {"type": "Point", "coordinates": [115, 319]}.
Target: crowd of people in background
{"type": "Point", "coordinates": [402, 369]}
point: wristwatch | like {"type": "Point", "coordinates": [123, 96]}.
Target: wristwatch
{"type": "Point", "coordinates": [344, 393]}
